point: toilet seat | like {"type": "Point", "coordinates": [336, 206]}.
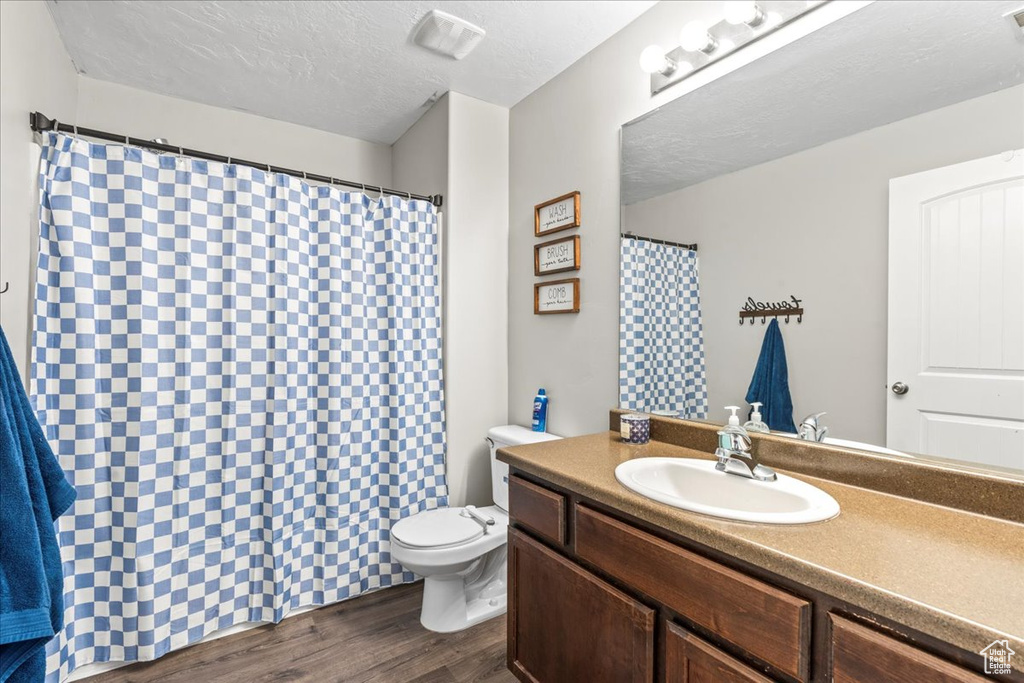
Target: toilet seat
{"type": "Point", "coordinates": [440, 528]}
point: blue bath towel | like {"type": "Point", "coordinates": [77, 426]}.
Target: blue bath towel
{"type": "Point", "coordinates": [34, 494]}
{"type": "Point", "coordinates": [770, 383]}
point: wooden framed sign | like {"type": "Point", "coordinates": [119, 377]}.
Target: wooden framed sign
{"type": "Point", "coordinates": [557, 256]}
{"type": "Point", "coordinates": [560, 213]}
{"type": "Point", "coordinates": [557, 296]}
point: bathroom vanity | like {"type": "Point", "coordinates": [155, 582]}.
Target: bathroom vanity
{"type": "Point", "coordinates": [608, 585]}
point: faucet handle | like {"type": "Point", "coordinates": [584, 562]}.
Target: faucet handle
{"type": "Point", "coordinates": [813, 419]}
{"type": "Point", "coordinates": [738, 441]}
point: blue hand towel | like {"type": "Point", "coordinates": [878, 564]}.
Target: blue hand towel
{"type": "Point", "coordinates": [34, 494]}
{"type": "Point", "coordinates": [770, 383]}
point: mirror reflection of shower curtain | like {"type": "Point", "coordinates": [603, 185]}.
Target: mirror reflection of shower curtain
{"type": "Point", "coordinates": [661, 338]}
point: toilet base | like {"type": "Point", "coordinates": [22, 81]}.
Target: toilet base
{"type": "Point", "coordinates": [454, 602]}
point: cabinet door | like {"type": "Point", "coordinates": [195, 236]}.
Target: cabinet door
{"type": "Point", "coordinates": [567, 625]}
{"type": "Point", "coordinates": [861, 654]}
{"type": "Point", "coordinates": [688, 659]}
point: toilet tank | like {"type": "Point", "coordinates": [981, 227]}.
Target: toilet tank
{"type": "Point", "coordinates": [509, 435]}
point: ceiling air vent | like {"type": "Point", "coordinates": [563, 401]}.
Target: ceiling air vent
{"type": "Point", "coordinates": [442, 33]}
{"type": "Point", "coordinates": [1017, 19]}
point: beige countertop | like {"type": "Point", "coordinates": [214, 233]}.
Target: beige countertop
{"type": "Point", "coordinates": [950, 574]}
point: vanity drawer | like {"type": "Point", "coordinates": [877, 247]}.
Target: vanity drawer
{"type": "Point", "coordinates": [537, 508]}
{"type": "Point", "coordinates": [769, 623]}
{"type": "Point", "coordinates": [861, 654]}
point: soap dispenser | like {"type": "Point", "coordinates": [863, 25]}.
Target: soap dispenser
{"type": "Point", "coordinates": [727, 438]}
{"type": "Point", "coordinates": [755, 423]}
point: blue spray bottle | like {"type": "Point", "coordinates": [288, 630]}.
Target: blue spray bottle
{"type": "Point", "coordinates": [540, 411]}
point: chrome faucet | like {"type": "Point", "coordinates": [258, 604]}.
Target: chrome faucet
{"type": "Point", "coordinates": [809, 429]}
{"type": "Point", "coordinates": [738, 459]}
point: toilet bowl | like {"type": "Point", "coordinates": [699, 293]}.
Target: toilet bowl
{"type": "Point", "coordinates": [463, 568]}
{"type": "Point", "coordinates": [461, 552]}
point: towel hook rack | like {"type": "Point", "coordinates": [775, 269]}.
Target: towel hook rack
{"type": "Point", "coordinates": [772, 309]}
{"type": "Point", "coordinates": [7, 285]}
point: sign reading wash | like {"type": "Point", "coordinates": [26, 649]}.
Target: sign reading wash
{"type": "Point", "coordinates": [997, 657]}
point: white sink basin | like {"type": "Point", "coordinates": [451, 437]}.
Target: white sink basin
{"type": "Point", "coordinates": [696, 485]}
{"type": "Point", "coordinates": [846, 443]}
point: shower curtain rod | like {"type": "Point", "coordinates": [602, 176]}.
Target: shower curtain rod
{"type": "Point", "coordinates": [691, 247]}
{"type": "Point", "coordinates": [40, 123]}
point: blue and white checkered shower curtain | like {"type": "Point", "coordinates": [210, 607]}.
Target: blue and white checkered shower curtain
{"type": "Point", "coordinates": [661, 338]}
{"type": "Point", "coordinates": [241, 375]}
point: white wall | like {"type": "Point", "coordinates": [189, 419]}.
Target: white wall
{"type": "Point", "coordinates": [815, 224]}
{"type": "Point", "coordinates": [564, 137]}
{"type": "Point", "coordinates": [460, 148]}
{"type": "Point", "coordinates": [36, 74]}
{"type": "Point", "coordinates": [476, 291]}
{"type": "Point", "coordinates": [142, 114]}
{"type": "Point", "coordinates": [420, 157]}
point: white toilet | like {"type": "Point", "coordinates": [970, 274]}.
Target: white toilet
{"type": "Point", "coordinates": [461, 552]}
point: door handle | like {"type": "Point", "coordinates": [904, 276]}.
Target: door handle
{"type": "Point", "coordinates": [899, 388]}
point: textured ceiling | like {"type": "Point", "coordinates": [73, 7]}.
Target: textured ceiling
{"type": "Point", "coordinates": [883, 63]}
{"type": "Point", "coordinates": [344, 67]}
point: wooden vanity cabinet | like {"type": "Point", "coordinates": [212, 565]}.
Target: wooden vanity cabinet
{"type": "Point", "coordinates": [593, 598]}
{"type": "Point", "coordinates": [565, 624]}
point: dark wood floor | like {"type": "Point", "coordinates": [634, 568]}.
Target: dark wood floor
{"type": "Point", "coordinates": [374, 638]}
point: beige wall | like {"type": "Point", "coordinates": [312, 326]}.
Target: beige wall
{"type": "Point", "coordinates": [460, 148]}
{"type": "Point", "coordinates": [36, 74]}
{"type": "Point", "coordinates": [420, 156]}
{"type": "Point", "coordinates": [142, 114]}
{"type": "Point", "coordinates": [815, 224]}
{"type": "Point", "coordinates": [564, 137]}
{"type": "Point", "coordinates": [476, 291]}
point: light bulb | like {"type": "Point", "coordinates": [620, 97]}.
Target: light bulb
{"type": "Point", "coordinates": [653, 60]}
{"type": "Point", "coordinates": [744, 12]}
{"type": "Point", "coordinates": [695, 38]}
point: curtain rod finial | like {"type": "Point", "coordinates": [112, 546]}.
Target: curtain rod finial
{"type": "Point", "coordinates": [40, 123]}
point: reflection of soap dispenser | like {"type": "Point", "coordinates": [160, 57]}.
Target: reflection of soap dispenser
{"type": "Point", "coordinates": [725, 437]}
{"type": "Point", "coordinates": [755, 423]}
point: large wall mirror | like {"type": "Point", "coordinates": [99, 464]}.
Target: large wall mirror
{"type": "Point", "coordinates": [871, 175]}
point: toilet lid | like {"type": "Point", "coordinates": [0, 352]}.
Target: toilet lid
{"type": "Point", "coordinates": [437, 529]}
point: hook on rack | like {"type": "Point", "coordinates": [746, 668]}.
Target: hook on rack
{"type": "Point", "coordinates": [7, 285]}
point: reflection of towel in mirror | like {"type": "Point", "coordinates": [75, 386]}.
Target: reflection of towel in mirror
{"type": "Point", "coordinates": [35, 493]}
{"type": "Point", "coordinates": [770, 383]}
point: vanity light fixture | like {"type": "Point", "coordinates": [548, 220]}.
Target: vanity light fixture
{"type": "Point", "coordinates": [744, 12]}
{"type": "Point", "coordinates": [654, 61]}
{"type": "Point", "coordinates": [695, 38]}
{"type": "Point", "coordinates": [701, 43]}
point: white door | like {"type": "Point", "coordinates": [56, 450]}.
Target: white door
{"type": "Point", "coordinates": [956, 311]}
